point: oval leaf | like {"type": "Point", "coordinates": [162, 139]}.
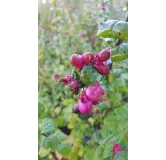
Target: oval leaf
{"type": "Point", "coordinates": [113, 29]}
{"type": "Point", "coordinates": [121, 155]}
{"type": "Point", "coordinates": [119, 53]}
{"type": "Point", "coordinates": [88, 74]}
{"type": "Point", "coordinates": [47, 127]}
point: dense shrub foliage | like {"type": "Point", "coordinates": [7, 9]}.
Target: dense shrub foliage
{"type": "Point", "coordinates": [82, 79]}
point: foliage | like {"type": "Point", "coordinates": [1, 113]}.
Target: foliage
{"type": "Point", "coordinates": [113, 29]}
{"type": "Point", "coordinates": [65, 29]}
{"type": "Point", "coordinates": [88, 75]}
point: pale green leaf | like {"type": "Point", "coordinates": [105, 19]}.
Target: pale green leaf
{"type": "Point", "coordinates": [113, 29]}
{"type": "Point", "coordinates": [41, 109]}
{"type": "Point", "coordinates": [47, 126]}
{"type": "Point", "coordinates": [122, 155]}
{"type": "Point", "coordinates": [88, 74]}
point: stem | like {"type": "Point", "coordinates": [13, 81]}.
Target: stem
{"type": "Point", "coordinates": [127, 18]}
{"type": "Point", "coordinates": [104, 9]}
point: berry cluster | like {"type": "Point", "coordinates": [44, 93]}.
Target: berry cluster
{"type": "Point", "coordinates": [73, 83]}
{"type": "Point", "coordinates": [98, 61]}
{"type": "Point", "coordinates": [91, 94]}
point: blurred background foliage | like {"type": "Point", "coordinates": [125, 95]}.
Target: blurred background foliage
{"type": "Point", "coordinates": [67, 27]}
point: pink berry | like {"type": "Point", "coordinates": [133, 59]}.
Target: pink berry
{"type": "Point", "coordinates": [74, 84]}
{"type": "Point", "coordinates": [83, 35]}
{"type": "Point", "coordinates": [102, 6]}
{"type": "Point", "coordinates": [47, 33]}
{"type": "Point", "coordinates": [94, 94]}
{"type": "Point", "coordinates": [83, 96]}
{"type": "Point", "coordinates": [102, 68]}
{"type": "Point", "coordinates": [39, 28]}
{"type": "Point", "coordinates": [87, 57]}
{"type": "Point", "coordinates": [66, 80]}
{"type": "Point", "coordinates": [96, 60]}
{"type": "Point", "coordinates": [76, 61]}
{"type": "Point", "coordinates": [75, 109]}
{"type": "Point", "coordinates": [84, 106]}
{"type": "Point", "coordinates": [116, 148]}
{"type": "Point", "coordinates": [104, 55]}
{"type": "Point", "coordinates": [56, 76]}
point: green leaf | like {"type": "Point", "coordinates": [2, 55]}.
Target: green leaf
{"type": "Point", "coordinates": [121, 49]}
{"type": "Point", "coordinates": [54, 21]}
{"type": "Point", "coordinates": [116, 73]}
{"type": "Point", "coordinates": [61, 136]}
{"type": "Point", "coordinates": [110, 41]}
{"type": "Point", "coordinates": [108, 151]}
{"type": "Point", "coordinates": [99, 153]}
{"type": "Point", "coordinates": [106, 28]}
{"type": "Point", "coordinates": [89, 154]}
{"type": "Point", "coordinates": [122, 111]}
{"type": "Point", "coordinates": [55, 139]}
{"type": "Point", "coordinates": [119, 85]}
{"type": "Point", "coordinates": [88, 74]}
{"type": "Point", "coordinates": [75, 74]}
{"type": "Point", "coordinates": [58, 141]}
{"type": "Point", "coordinates": [74, 154]}
{"type": "Point", "coordinates": [44, 142]}
{"type": "Point", "coordinates": [119, 53]}
{"type": "Point", "coordinates": [125, 137]}
{"type": "Point", "coordinates": [41, 109]}
{"type": "Point", "coordinates": [47, 127]}
{"type": "Point", "coordinates": [116, 98]}
{"type": "Point", "coordinates": [113, 29]}
{"type": "Point", "coordinates": [103, 106]}
{"type": "Point", "coordinates": [53, 142]}
{"type": "Point", "coordinates": [122, 155]}
{"type": "Point", "coordinates": [64, 148]}
{"type": "Point", "coordinates": [58, 11]}
{"type": "Point", "coordinates": [104, 151]}
{"type": "Point", "coordinates": [119, 57]}
{"type": "Point", "coordinates": [43, 152]}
